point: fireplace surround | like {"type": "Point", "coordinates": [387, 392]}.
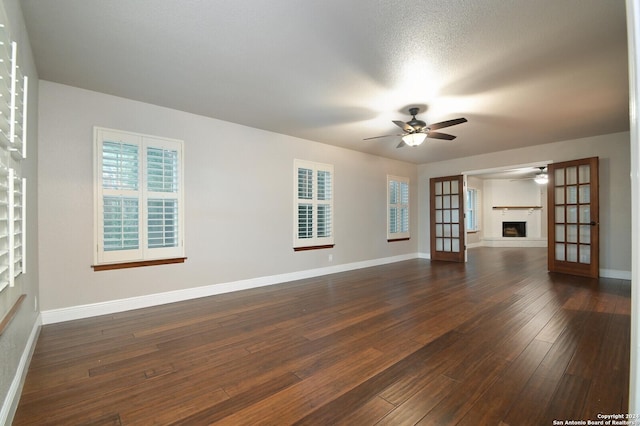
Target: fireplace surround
{"type": "Point", "coordinates": [514, 229]}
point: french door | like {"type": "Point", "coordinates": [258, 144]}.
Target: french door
{"type": "Point", "coordinates": [447, 218]}
{"type": "Point", "coordinates": [573, 236]}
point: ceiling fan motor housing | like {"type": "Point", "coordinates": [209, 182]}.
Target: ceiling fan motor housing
{"type": "Point", "coordinates": [418, 125]}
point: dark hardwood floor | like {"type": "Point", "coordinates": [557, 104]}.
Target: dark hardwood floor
{"type": "Point", "coordinates": [496, 341]}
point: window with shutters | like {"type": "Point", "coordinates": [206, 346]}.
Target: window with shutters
{"type": "Point", "coordinates": [472, 210]}
{"type": "Point", "coordinates": [398, 208]}
{"type": "Point", "coordinates": [13, 137]}
{"type": "Point", "coordinates": [139, 198]}
{"type": "Point", "coordinates": [313, 206]}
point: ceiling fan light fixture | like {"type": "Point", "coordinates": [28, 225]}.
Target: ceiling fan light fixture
{"type": "Point", "coordinates": [414, 139]}
{"type": "Point", "coordinates": [541, 179]}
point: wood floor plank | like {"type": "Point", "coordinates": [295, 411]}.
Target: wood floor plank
{"type": "Point", "coordinates": [532, 401]}
{"type": "Point", "coordinates": [493, 405]}
{"type": "Point", "coordinates": [497, 340]}
{"type": "Point", "coordinates": [455, 405]}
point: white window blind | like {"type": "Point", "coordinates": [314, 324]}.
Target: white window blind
{"type": "Point", "coordinates": [313, 206]}
{"type": "Point", "coordinates": [13, 124]}
{"type": "Point", "coordinates": [5, 260]}
{"type": "Point", "coordinates": [16, 215]}
{"type": "Point", "coordinates": [472, 204]}
{"type": "Point", "coordinates": [398, 208]}
{"type": "Point", "coordinates": [139, 197]}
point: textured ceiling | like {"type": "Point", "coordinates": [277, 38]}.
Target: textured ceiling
{"type": "Point", "coordinates": [522, 72]}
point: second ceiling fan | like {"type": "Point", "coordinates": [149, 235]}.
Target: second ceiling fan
{"type": "Point", "coordinates": [416, 131]}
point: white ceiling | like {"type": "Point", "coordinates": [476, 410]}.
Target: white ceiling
{"type": "Point", "coordinates": [522, 72]}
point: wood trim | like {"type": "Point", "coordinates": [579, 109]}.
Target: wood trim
{"type": "Point", "coordinates": [591, 269]}
{"type": "Point", "coordinates": [326, 246]}
{"type": "Point", "coordinates": [125, 265]}
{"type": "Point", "coordinates": [392, 240]}
{"type": "Point", "coordinates": [11, 314]}
{"type": "Point", "coordinates": [451, 256]}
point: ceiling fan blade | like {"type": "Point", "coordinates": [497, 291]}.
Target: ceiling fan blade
{"type": "Point", "coordinates": [378, 137]}
{"type": "Point", "coordinates": [404, 126]}
{"type": "Point", "coordinates": [448, 123]}
{"type": "Point", "coordinates": [438, 135]}
{"type": "Point", "coordinates": [401, 144]}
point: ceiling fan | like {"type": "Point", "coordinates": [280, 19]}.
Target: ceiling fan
{"type": "Point", "coordinates": [541, 177]}
{"type": "Point", "coordinates": [416, 131]}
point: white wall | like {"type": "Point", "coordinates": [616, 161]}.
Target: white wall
{"type": "Point", "coordinates": [513, 193]}
{"type": "Point", "coordinates": [615, 188]}
{"type": "Point", "coordinates": [18, 338]}
{"type": "Point", "coordinates": [238, 200]}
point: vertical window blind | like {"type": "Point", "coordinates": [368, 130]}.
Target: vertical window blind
{"type": "Point", "coordinates": [139, 197]}
{"type": "Point", "coordinates": [313, 207]}
{"type": "Point", "coordinates": [398, 208]}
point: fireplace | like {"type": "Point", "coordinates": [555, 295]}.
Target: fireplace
{"type": "Point", "coordinates": [514, 229]}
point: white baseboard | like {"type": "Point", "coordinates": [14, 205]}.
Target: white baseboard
{"type": "Point", "coordinates": [616, 274]}
{"type": "Point", "coordinates": [113, 306]}
{"type": "Point", "coordinates": [514, 242]}
{"type": "Point", "coordinates": [120, 305]}
{"type": "Point", "coordinates": [10, 404]}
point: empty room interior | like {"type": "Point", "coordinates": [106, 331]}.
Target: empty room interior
{"type": "Point", "coordinates": [298, 212]}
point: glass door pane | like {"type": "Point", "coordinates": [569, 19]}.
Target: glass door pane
{"type": "Point", "coordinates": [573, 217]}
{"type": "Point", "coordinates": [447, 203]}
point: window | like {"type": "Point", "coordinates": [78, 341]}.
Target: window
{"type": "Point", "coordinates": [313, 206]}
{"type": "Point", "coordinates": [472, 210]}
{"type": "Point", "coordinates": [139, 197]}
{"type": "Point", "coordinates": [13, 128]}
{"type": "Point", "coordinates": [398, 208]}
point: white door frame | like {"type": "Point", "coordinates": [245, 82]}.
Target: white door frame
{"type": "Point", "coordinates": [633, 42]}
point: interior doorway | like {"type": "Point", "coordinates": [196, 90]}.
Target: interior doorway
{"type": "Point", "coordinates": [543, 204]}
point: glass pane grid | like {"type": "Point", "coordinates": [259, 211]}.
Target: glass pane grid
{"type": "Point", "coordinates": [119, 166]}
{"type": "Point", "coordinates": [120, 218]}
{"type": "Point", "coordinates": [573, 214]}
{"type": "Point", "coordinates": [162, 170]}
{"type": "Point", "coordinates": [305, 184]}
{"type": "Point", "coordinates": [447, 217]}
{"type": "Point", "coordinates": [324, 185]}
{"type": "Point", "coordinates": [404, 219]}
{"type": "Point", "coordinates": [162, 223]}
{"type": "Point", "coordinates": [393, 192]}
{"type": "Point", "coordinates": [324, 220]}
{"type": "Point", "coordinates": [393, 220]}
{"type": "Point", "coordinates": [404, 193]}
{"type": "Point", "coordinates": [305, 221]}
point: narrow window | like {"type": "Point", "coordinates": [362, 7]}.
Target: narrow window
{"type": "Point", "coordinates": [472, 210]}
{"type": "Point", "coordinates": [313, 205]}
{"type": "Point", "coordinates": [398, 208]}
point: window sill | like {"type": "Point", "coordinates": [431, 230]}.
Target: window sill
{"type": "Point", "coordinates": [137, 264]}
{"type": "Point", "coordinates": [4, 324]}
{"type": "Point", "coordinates": [472, 232]}
{"type": "Point", "coordinates": [313, 247]}
{"type": "Point", "coordinates": [391, 240]}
